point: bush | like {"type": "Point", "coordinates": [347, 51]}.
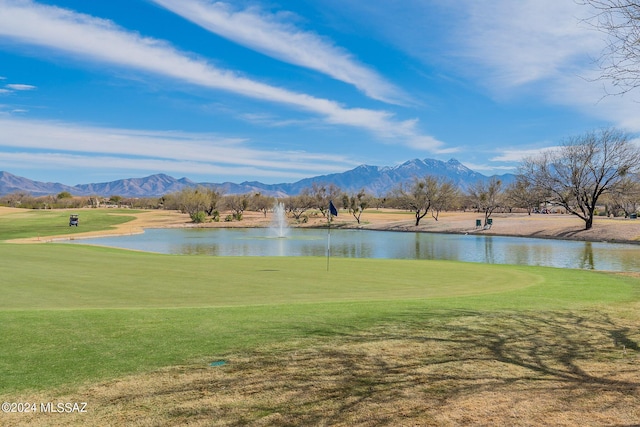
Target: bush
{"type": "Point", "coordinates": [198, 217]}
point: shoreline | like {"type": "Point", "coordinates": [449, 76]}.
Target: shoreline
{"type": "Point", "coordinates": [545, 226]}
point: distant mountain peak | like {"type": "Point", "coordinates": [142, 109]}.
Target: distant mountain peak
{"type": "Point", "coordinates": [376, 180]}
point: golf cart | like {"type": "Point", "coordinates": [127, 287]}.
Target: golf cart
{"type": "Point", "coordinates": [73, 220]}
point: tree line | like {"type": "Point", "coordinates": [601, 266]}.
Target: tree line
{"type": "Point", "coordinates": [596, 170]}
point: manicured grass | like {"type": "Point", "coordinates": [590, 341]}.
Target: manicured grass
{"type": "Point", "coordinates": [72, 314]}
{"type": "Point", "coordinates": [368, 342]}
{"type": "Point", "coordinates": [24, 223]}
{"type": "Point", "coordinates": [59, 276]}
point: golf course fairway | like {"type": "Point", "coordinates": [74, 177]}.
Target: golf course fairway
{"type": "Point", "coordinates": [153, 339]}
{"type": "Point", "coordinates": [71, 314]}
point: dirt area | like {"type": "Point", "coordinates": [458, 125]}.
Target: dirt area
{"type": "Point", "coordinates": [555, 226]}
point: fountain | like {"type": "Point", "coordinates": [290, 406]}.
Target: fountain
{"type": "Point", "coordinates": [279, 226]}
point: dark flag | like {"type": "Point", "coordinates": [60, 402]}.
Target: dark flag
{"type": "Point", "coordinates": [332, 209]}
{"type": "Point", "coordinates": [332, 212]}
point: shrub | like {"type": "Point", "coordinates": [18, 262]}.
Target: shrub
{"type": "Point", "coordinates": [198, 217]}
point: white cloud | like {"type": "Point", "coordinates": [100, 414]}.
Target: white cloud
{"type": "Point", "coordinates": [271, 35]}
{"type": "Point", "coordinates": [62, 161]}
{"type": "Point", "coordinates": [90, 38]}
{"type": "Point", "coordinates": [153, 148]}
{"type": "Point", "coordinates": [490, 169]}
{"type": "Point", "coordinates": [427, 143]}
{"type": "Point", "coordinates": [16, 86]}
{"type": "Point", "coordinates": [545, 48]}
{"type": "Point", "coordinates": [517, 155]}
{"type": "Point", "coordinates": [5, 91]}
{"type": "Point", "coordinates": [526, 41]}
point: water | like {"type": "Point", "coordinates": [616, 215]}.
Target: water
{"type": "Point", "coordinates": [279, 226]}
{"type": "Point", "coordinates": [382, 244]}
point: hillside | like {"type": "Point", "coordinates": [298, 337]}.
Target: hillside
{"type": "Point", "coordinates": [377, 180]}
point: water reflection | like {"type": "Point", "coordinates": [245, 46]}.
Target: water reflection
{"type": "Point", "coordinates": [380, 244]}
{"type": "Point", "coordinates": [488, 250]}
{"type": "Point", "coordinates": [587, 257]}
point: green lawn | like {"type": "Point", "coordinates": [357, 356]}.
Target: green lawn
{"type": "Point", "coordinates": [24, 223]}
{"type": "Point", "coordinates": [72, 314]}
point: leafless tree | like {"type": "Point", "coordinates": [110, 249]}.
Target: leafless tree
{"type": "Point", "coordinates": [486, 196]}
{"type": "Point", "coordinates": [620, 60]}
{"type": "Point", "coordinates": [446, 197]}
{"type": "Point", "coordinates": [298, 205]}
{"type": "Point", "coordinates": [322, 194]}
{"type": "Point", "coordinates": [261, 203]}
{"type": "Point", "coordinates": [423, 195]}
{"type": "Point", "coordinates": [625, 197]}
{"type": "Point", "coordinates": [523, 194]}
{"type": "Point", "coordinates": [583, 169]}
{"type": "Point", "coordinates": [237, 203]}
{"type": "Point", "coordinates": [193, 200]}
{"type": "Point", "coordinates": [356, 204]}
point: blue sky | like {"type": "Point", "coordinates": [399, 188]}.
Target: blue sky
{"type": "Point", "coordinates": [276, 91]}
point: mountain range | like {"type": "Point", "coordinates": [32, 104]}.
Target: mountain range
{"type": "Point", "coordinates": [376, 180]}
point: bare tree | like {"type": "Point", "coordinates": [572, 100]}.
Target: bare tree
{"type": "Point", "coordinates": [298, 205]}
{"type": "Point", "coordinates": [620, 60]}
{"type": "Point", "coordinates": [583, 169]}
{"type": "Point", "coordinates": [15, 199]}
{"type": "Point", "coordinates": [194, 201]}
{"type": "Point", "coordinates": [446, 197]}
{"type": "Point", "coordinates": [625, 197]}
{"type": "Point", "coordinates": [356, 204]}
{"type": "Point", "coordinates": [422, 195]}
{"type": "Point", "coordinates": [322, 194]}
{"type": "Point", "coordinates": [262, 203]}
{"type": "Point", "coordinates": [237, 203]}
{"type": "Point", "coordinates": [523, 194]}
{"type": "Point", "coordinates": [486, 196]}
{"type": "Point", "coordinates": [213, 197]}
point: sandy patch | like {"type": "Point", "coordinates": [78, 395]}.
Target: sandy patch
{"type": "Point", "coordinates": [556, 226]}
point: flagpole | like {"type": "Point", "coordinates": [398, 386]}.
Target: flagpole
{"type": "Point", "coordinates": [328, 240]}
{"type": "Point", "coordinates": [332, 211]}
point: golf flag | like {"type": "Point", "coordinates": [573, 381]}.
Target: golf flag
{"type": "Point", "coordinates": [332, 212]}
{"type": "Point", "coordinates": [332, 209]}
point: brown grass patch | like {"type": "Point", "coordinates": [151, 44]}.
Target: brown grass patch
{"type": "Point", "coordinates": [457, 368]}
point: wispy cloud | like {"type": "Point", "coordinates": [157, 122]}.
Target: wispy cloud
{"type": "Point", "coordinates": [541, 48]}
{"type": "Point", "coordinates": [16, 86]}
{"type": "Point", "coordinates": [139, 149]}
{"type": "Point", "coordinates": [520, 154]}
{"type": "Point", "coordinates": [66, 161]}
{"type": "Point", "coordinates": [526, 41]}
{"type": "Point", "coordinates": [271, 35]}
{"type": "Point", "coordinates": [90, 38]}
{"type": "Point", "coordinates": [490, 168]}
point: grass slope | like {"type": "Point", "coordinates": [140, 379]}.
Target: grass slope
{"type": "Point", "coordinates": [370, 342]}
{"type": "Point", "coordinates": [23, 223]}
{"type": "Point", "coordinates": [72, 314]}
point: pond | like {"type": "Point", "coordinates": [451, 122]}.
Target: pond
{"type": "Point", "coordinates": [382, 244]}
